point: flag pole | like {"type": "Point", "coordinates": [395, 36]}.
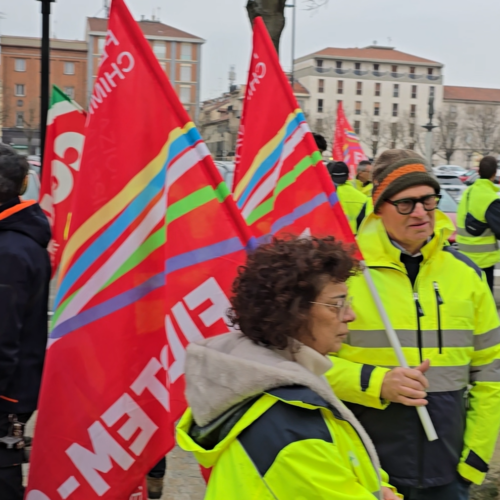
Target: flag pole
{"type": "Point", "coordinates": [423, 414]}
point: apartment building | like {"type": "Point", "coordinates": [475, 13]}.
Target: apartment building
{"type": "Point", "coordinates": [385, 92]}
{"type": "Point", "coordinates": [20, 84]}
{"type": "Point", "coordinates": [178, 52]}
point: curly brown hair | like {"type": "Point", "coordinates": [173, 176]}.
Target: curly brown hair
{"type": "Point", "coordinates": [272, 293]}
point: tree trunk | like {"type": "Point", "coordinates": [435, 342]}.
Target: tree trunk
{"type": "Point", "coordinates": [273, 15]}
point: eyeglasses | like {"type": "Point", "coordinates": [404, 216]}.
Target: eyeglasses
{"type": "Point", "coordinates": [342, 305]}
{"type": "Point", "coordinates": [407, 205]}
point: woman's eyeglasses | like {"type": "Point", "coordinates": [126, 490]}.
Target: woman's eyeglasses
{"type": "Point", "coordinates": [342, 305]}
{"type": "Point", "coordinates": [407, 205]}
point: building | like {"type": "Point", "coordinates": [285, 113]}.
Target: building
{"type": "Point", "coordinates": [20, 83]}
{"type": "Point", "coordinates": [219, 120]}
{"type": "Point", "coordinates": [385, 93]}
{"type": "Point", "coordinates": [178, 52]}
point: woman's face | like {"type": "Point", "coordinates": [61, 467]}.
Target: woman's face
{"type": "Point", "coordinates": [328, 324]}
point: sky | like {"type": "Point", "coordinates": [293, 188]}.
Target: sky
{"type": "Point", "coordinates": [461, 34]}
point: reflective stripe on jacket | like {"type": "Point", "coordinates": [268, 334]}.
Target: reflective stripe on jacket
{"type": "Point", "coordinates": [483, 250]}
{"type": "Point", "coordinates": [448, 317]}
{"type": "Point", "coordinates": [353, 204]}
{"type": "Point", "coordinates": [289, 444]}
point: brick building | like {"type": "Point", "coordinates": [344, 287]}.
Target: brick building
{"type": "Point", "coordinates": [178, 52]}
{"type": "Point", "coordinates": [20, 85]}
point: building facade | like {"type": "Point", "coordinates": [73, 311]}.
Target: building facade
{"type": "Point", "coordinates": [20, 83]}
{"type": "Point", "coordinates": [178, 52]}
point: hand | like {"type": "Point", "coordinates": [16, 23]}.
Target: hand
{"type": "Point", "coordinates": [388, 494]}
{"type": "Point", "coordinates": [406, 385]}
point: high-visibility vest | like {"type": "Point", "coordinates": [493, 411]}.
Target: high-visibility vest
{"type": "Point", "coordinates": [366, 190]}
{"type": "Point", "coordinates": [483, 249]}
{"type": "Point", "coordinates": [449, 317]}
{"type": "Point", "coordinates": [354, 204]}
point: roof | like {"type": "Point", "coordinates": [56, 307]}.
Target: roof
{"type": "Point", "coordinates": [298, 88]}
{"type": "Point", "coordinates": [149, 28]}
{"type": "Point", "coordinates": [471, 94]}
{"type": "Point", "coordinates": [34, 42]}
{"type": "Point", "coordinates": [373, 53]}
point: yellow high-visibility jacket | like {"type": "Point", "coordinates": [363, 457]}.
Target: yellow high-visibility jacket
{"type": "Point", "coordinates": [448, 317]}
{"type": "Point", "coordinates": [354, 204]}
{"type": "Point", "coordinates": [271, 443]}
{"type": "Point", "coordinates": [366, 190]}
{"type": "Point", "coordinates": [482, 249]}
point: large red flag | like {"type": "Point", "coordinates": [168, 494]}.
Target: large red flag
{"type": "Point", "coordinates": [281, 183]}
{"type": "Point", "coordinates": [61, 162]}
{"type": "Point", "coordinates": [346, 145]}
{"type": "Point", "coordinates": [106, 407]}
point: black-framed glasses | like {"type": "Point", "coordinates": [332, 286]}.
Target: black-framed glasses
{"type": "Point", "coordinates": [406, 206]}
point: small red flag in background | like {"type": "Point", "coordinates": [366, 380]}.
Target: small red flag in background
{"type": "Point", "coordinates": [346, 145]}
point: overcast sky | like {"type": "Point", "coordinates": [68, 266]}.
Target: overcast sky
{"type": "Point", "coordinates": [464, 35]}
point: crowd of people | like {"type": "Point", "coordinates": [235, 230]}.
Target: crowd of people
{"type": "Point", "coordinates": [305, 398]}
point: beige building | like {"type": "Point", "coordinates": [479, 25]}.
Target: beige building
{"type": "Point", "coordinates": [178, 52]}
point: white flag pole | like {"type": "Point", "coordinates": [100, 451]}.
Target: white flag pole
{"type": "Point", "coordinates": [394, 340]}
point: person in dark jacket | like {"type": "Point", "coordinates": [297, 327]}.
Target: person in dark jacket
{"type": "Point", "coordinates": [24, 291]}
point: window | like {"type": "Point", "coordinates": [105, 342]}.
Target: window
{"type": "Point", "coordinates": [359, 88]}
{"type": "Point", "coordinates": [453, 111]}
{"type": "Point", "coordinates": [185, 95]}
{"type": "Point", "coordinates": [395, 109]}
{"type": "Point", "coordinates": [320, 105]}
{"type": "Point", "coordinates": [340, 87]}
{"type": "Point", "coordinates": [357, 109]}
{"type": "Point", "coordinates": [394, 69]}
{"type": "Point", "coordinates": [160, 50]}
{"type": "Point", "coordinates": [101, 42]}
{"type": "Point", "coordinates": [186, 72]}
{"type": "Point", "coordinates": [376, 67]}
{"type": "Point", "coordinates": [432, 91]}
{"type": "Point", "coordinates": [338, 64]}
{"type": "Point", "coordinates": [20, 119]}
{"type": "Point", "coordinates": [69, 68]}
{"type": "Point", "coordinates": [319, 124]}
{"type": "Point", "coordinates": [470, 110]}
{"type": "Point", "coordinates": [321, 85]}
{"type": "Point", "coordinates": [357, 127]}
{"type": "Point", "coordinates": [376, 128]}
{"type": "Point", "coordinates": [20, 89]}
{"type": "Point", "coordinates": [377, 89]}
{"type": "Point", "coordinates": [357, 66]}
{"type": "Point", "coordinates": [413, 91]}
{"type": "Point", "coordinates": [319, 63]}
{"type": "Point", "coordinates": [70, 92]}
{"type": "Point", "coordinates": [412, 130]}
{"type": "Point", "coordinates": [20, 64]}
{"type": "Point", "coordinates": [186, 53]}
{"type": "Point", "coordinates": [376, 109]}
{"type": "Point", "coordinates": [413, 111]}
{"type": "Point", "coordinates": [412, 70]}
{"type": "Point", "coordinates": [20, 103]}
{"type": "Point", "coordinates": [395, 91]}
{"type": "Point", "coordinates": [430, 71]}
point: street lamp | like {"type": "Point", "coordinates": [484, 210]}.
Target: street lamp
{"type": "Point", "coordinates": [429, 136]}
{"type": "Point", "coordinates": [45, 73]}
{"type": "Point", "coordinates": [294, 7]}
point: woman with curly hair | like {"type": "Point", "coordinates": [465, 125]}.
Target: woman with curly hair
{"type": "Point", "coordinates": [261, 413]}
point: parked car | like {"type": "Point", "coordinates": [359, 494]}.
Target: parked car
{"type": "Point", "coordinates": [33, 189]}
{"type": "Point", "coordinates": [226, 169]}
{"type": "Point", "coordinates": [449, 206]}
{"type": "Point", "coordinates": [450, 169]}
{"type": "Point", "coordinates": [452, 184]}
{"type": "Point", "coordinates": [467, 174]}
{"type": "Point", "coordinates": [475, 176]}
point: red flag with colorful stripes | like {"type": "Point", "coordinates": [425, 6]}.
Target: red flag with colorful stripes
{"type": "Point", "coordinates": [346, 145]}
{"type": "Point", "coordinates": [61, 162]}
{"type": "Point", "coordinates": [153, 247]}
{"type": "Point", "coordinates": [281, 183]}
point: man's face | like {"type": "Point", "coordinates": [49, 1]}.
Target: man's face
{"type": "Point", "coordinates": [366, 176]}
{"type": "Point", "coordinates": [409, 230]}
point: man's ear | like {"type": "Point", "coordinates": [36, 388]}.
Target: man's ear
{"type": "Point", "coordinates": [24, 187]}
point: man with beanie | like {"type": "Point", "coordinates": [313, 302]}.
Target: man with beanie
{"type": "Point", "coordinates": [478, 220]}
{"type": "Point", "coordinates": [445, 317]}
{"type": "Point", "coordinates": [24, 291]}
{"type": "Point", "coordinates": [354, 203]}
{"type": "Point", "coordinates": [363, 181]}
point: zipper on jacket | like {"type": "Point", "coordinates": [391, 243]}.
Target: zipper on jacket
{"type": "Point", "coordinates": [439, 301]}
{"type": "Point", "coordinates": [420, 313]}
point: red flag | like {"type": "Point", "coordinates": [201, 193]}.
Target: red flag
{"type": "Point", "coordinates": [281, 183]}
{"type": "Point", "coordinates": [62, 155]}
{"type": "Point", "coordinates": [106, 408]}
{"type": "Point", "coordinates": [346, 145]}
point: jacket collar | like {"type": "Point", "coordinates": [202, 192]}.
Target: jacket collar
{"type": "Point", "coordinates": [486, 184]}
{"type": "Point", "coordinates": [378, 250]}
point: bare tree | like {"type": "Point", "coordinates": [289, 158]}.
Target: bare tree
{"type": "Point", "coordinates": [448, 134]}
{"type": "Point", "coordinates": [483, 129]}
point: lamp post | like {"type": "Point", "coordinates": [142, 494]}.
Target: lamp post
{"type": "Point", "coordinates": [429, 136]}
{"type": "Point", "coordinates": [45, 73]}
{"type": "Point", "coordinates": [293, 5]}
